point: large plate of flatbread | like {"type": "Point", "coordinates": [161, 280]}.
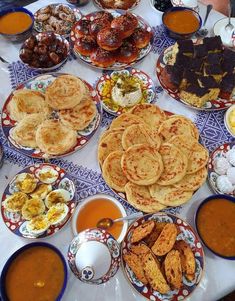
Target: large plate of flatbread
{"type": "Point", "coordinates": [51, 115]}
{"type": "Point", "coordinates": [162, 257]}
{"type": "Point", "coordinates": [152, 158]}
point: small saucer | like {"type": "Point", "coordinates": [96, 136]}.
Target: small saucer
{"type": "Point", "coordinates": [219, 30]}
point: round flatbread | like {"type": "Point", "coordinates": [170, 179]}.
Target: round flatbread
{"type": "Point", "coordinates": [193, 181]}
{"type": "Point", "coordinates": [25, 102]}
{"type": "Point", "coordinates": [198, 159]}
{"type": "Point", "coordinates": [125, 120]}
{"type": "Point", "coordinates": [140, 134]}
{"type": "Point", "coordinates": [142, 164]}
{"type": "Point", "coordinates": [152, 115]}
{"type": "Point", "coordinates": [185, 143]}
{"type": "Point", "coordinates": [65, 92]}
{"type": "Point", "coordinates": [175, 164]}
{"type": "Point", "coordinates": [112, 171]}
{"type": "Point", "coordinates": [169, 195]}
{"type": "Point", "coordinates": [140, 198]}
{"type": "Point", "coordinates": [178, 125]}
{"type": "Point", "coordinates": [54, 138]}
{"type": "Point", "coordinates": [79, 117]}
{"type": "Point", "coordinates": [107, 132]}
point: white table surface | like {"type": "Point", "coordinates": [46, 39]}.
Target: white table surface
{"type": "Point", "coordinates": [219, 276]}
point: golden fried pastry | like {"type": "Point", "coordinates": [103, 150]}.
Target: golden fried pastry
{"type": "Point", "coordinates": [126, 24]}
{"type": "Point", "coordinates": [142, 164]}
{"type": "Point", "coordinates": [135, 263]}
{"type": "Point", "coordinates": [25, 102]}
{"type": "Point", "coordinates": [109, 39]}
{"type": "Point", "coordinates": [103, 58]}
{"type": "Point", "coordinates": [141, 37]}
{"type": "Point", "coordinates": [173, 269]}
{"type": "Point", "coordinates": [65, 92]}
{"type": "Point", "coordinates": [85, 45]}
{"type": "Point", "coordinates": [152, 237]}
{"type": "Point", "coordinates": [54, 138]}
{"type": "Point", "coordinates": [192, 182]}
{"type": "Point", "coordinates": [127, 53]}
{"type": "Point", "coordinates": [24, 133]}
{"type": "Point", "coordinates": [141, 248]}
{"type": "Point", "coordinates": [125, 120]}
{"type": "Point", "coordinates": [112, 171]}
{"type": "Point", "coordinates": [142, 231]}
{"type": "Point", "coordinates": [32, 208]}
{"type": "Point", "coordinates": [82, 28]}
{"type": "Point", "coordinates": [80, 116]}
{"type": "Point", "coordinates": [97, 25]}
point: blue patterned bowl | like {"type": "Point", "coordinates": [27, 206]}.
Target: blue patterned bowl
{"type": "Point", "coordinates": [7, 265]}
{"type": "Point", "coordinates": [17, 37]}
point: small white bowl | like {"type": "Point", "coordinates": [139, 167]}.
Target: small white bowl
{"type": "Point", "coordinates": [95, 197]}
{"type": "Point", "coordinates": [226, 120]}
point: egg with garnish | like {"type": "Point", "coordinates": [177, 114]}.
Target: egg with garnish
{"type": "Point", "coordinates": [15, 202]}
{"type": "Point", "coordinates": [32, 208]}
{"type": "Point", "coordinates": [57, 214]}
{"type": "Point", "coordinates": [57, 196]}
{"type": "Point", "coordinates": [41, 191]}
{"type": "Point", "coordinates": [38, 225]}
{"type": "Point", "coordinates": [26, 182]}
{"type": "Point", "coordinates": [47, 175]}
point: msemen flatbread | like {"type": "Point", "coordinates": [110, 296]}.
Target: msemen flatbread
{"type": "Point", "coordinates": [65, 92]}
{"type": "Point", "coordinates": [25, 102]}
{"type": "Point", "coordinates": [198, 159]}
{"type": "Point", "coordinates": [151, 114]}
{"type": "Point", "coordinates": [125, 120]}
{"type": "Point", "coordinates": [24, 133]}
{"type": "Point", "coordinates": [193, 181]}
{"type": "Point", "coordinates": [79, 117]}
{"type": "Point", "coordinates": [185, 143]}
{"type": "Point", "coordinates": [107, 132]}
{"type": "Point", "coordinates": [54, 138]}
{"type": "Point", "coordinates": [175, 164]}
{"type": "Point", "coordinates": [142, 164]}
{"type": "Point", "coordinates": [140, 198]}
{"type": "Point", "coordinates": [112, 171]}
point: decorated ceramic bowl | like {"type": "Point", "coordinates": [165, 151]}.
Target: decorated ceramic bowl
{"type": "Point", "coordinates": [94, 256]}
{"type": "Point", "coordinates": [229, 118]}
{"type": "Point", "coordinates": [129, 5]}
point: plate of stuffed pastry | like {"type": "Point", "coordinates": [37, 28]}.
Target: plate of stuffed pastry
{"type": "Point", "coordinates": [51, 115]}
{"type": "Point", "coordinates": [199, 75]}
{"type": "Point", "coordinates": [111, 40]}
{"type": "Point", "coordinates": [117, 4]}
{"type": "Point", "coordinates": [152, 159]}
{"type": "Point", "coordinates": [38, 201]}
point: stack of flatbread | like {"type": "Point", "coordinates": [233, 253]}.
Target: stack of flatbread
{"type": "Point", "coordinates": [36, 128]}
{"type": "Point", "coordinates": [154, 158]}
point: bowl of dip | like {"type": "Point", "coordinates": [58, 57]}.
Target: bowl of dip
{"type": "Point", "coordinates": [181, 22]}
{"type": "Point", "coordinates": [229, 120]}
{"type": "Point", "coordinates": [37, 271]}
{"type": "Point", "coordinates": [215, 225]}
{"type": "Point", "coordinates": [16, 24]}
{"type": "Point", "coordinates": [95, 208]}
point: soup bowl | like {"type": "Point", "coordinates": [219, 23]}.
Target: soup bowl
{"type": "Point", "coordinates": [20, 252]}
{"type": "Point", "coordinates": [214, 220]}
{"type": "Point", "coordinates": [188, 29]}
{"type": "Point", "coordinates": [22, 34]}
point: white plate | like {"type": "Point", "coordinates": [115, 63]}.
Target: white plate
{"type": "Point", "coordinates": [226, 36]}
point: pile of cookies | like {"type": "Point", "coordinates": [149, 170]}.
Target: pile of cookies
{"type": "Point", "coordinates": [157, 258]}
{"type": "Point", "coordinates": [154, 158]}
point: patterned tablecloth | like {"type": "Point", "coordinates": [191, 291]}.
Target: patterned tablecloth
{"type": "Point", "coordinates": [219, 277]}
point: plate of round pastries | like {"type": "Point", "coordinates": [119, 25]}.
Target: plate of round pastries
{"type": "Point", "coordinates": [117, 4]}
{"type": "Point", "coordinates": [120, 90]}
{"type": "Point", "coordinates": [57, 18]}
{"type": "Point", "coordinates": [38, 201]}
{"type": "Point", "coordinates": [199, 75]}
{"type": "Point", "coordinates": [111, 40]}
{"type": "Point", "coordinates": [51, 115]}
{"type": "Point", "coordinates": [152, 159]}
{"type": "Point", "coordinates": [162, 257]}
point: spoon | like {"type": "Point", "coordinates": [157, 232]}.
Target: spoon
{"type": "Point", "coordinates": [107, 222]}
{"type": "Point", "coordinates": [3, 60]}
{"type": "Point", "coordinates": [229, 26]}
{"type": "Point", "coordinates": [204, 31]}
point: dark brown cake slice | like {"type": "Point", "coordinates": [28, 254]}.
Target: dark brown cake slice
{"type": "Point", "coordinates": [227, 86]}
{"type": "Point", "coordinates": [195, 95]}
{"type": "Point", "coordinates": [213, 70]}
{"type": "Point", "coordinates": [172, 76]}
{"type": "Point", "coordinates": [210, 83]}
{"type": "Point", "coordinates": [200, 51]}
{"type": "Point", "coordinates": [213, 44]}
{"type": "Point", "coordinates": [214, 58]}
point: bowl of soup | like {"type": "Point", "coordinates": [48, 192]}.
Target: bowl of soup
{"type": "Point", "coordinates": [181, 22]}
{"type": "Point", "coordinates": [215, 224]}
{"type": "Point", "coordinates": [94, 208]}
{"type": "Point", "coordinates": [36, 271]}
{"type": "Point", "coordinates": [16, 24]}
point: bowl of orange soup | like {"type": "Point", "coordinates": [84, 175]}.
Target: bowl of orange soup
{"type": "Point", "coordinates": [181, 22]}
{"type": "Point", "coordinates": [93, 209]}
{"type": "Point", "coordinates": [36, 272]}
{"type": "Point", "coordinates": [16, 24]}
{"type": "Point", "coordinates": [215, 223]}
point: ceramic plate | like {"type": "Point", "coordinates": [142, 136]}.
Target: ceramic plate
{"type": "Point", "coordinates": [117, 66]}
{"type": "Point", "coordinates": [181, 3]}
{"type": "Point", "coordinates": [99, 4]}
{"type": "Point", "coordinates": [212, 174]}
{"type": "Point", "coordinates": [40, 26]}
{"type": "Point", "coordinates": [61, 180]}
{"type": "Point", "coordinates": [189, 236]}
{"type": "Point", "coordinates": [40, 83]}
{"type": "Point", "coordinates": [214, 105]}
{"type": "Point", "coordinates": [227, 37]}
{"type": "Point", "coordinates": [109, 80]}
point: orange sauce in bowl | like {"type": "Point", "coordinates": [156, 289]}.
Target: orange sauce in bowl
{"type": "Point", "coordinates": [182, 21]}
{"type": "Point", "coordinates": [15, 22]}
{"type": "Point", "coordinates": [216, 225]}
{"type": "Point", "coordinates": [94, 211]}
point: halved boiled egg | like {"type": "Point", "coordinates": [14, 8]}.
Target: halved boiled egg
{"type": "Point", "coordinates": [57, 214]}
{"type": "Point", "coordinates": [41, 191]}
{"type": "Point", "coordinates": [47, 175]}
{"type": "Point", "coordinates": [32, 208]}
{"type": "Point", "coordinates": [57, 196]}
{"type": "Point", "coordinates": [38, 225]}
{"type": "Point", "coordinates": [26, 182]}
{"type": "Point", "coordinates": [15, 202]}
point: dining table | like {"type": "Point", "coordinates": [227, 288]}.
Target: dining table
{"type": "Point", "coordinates": [218, 277]}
